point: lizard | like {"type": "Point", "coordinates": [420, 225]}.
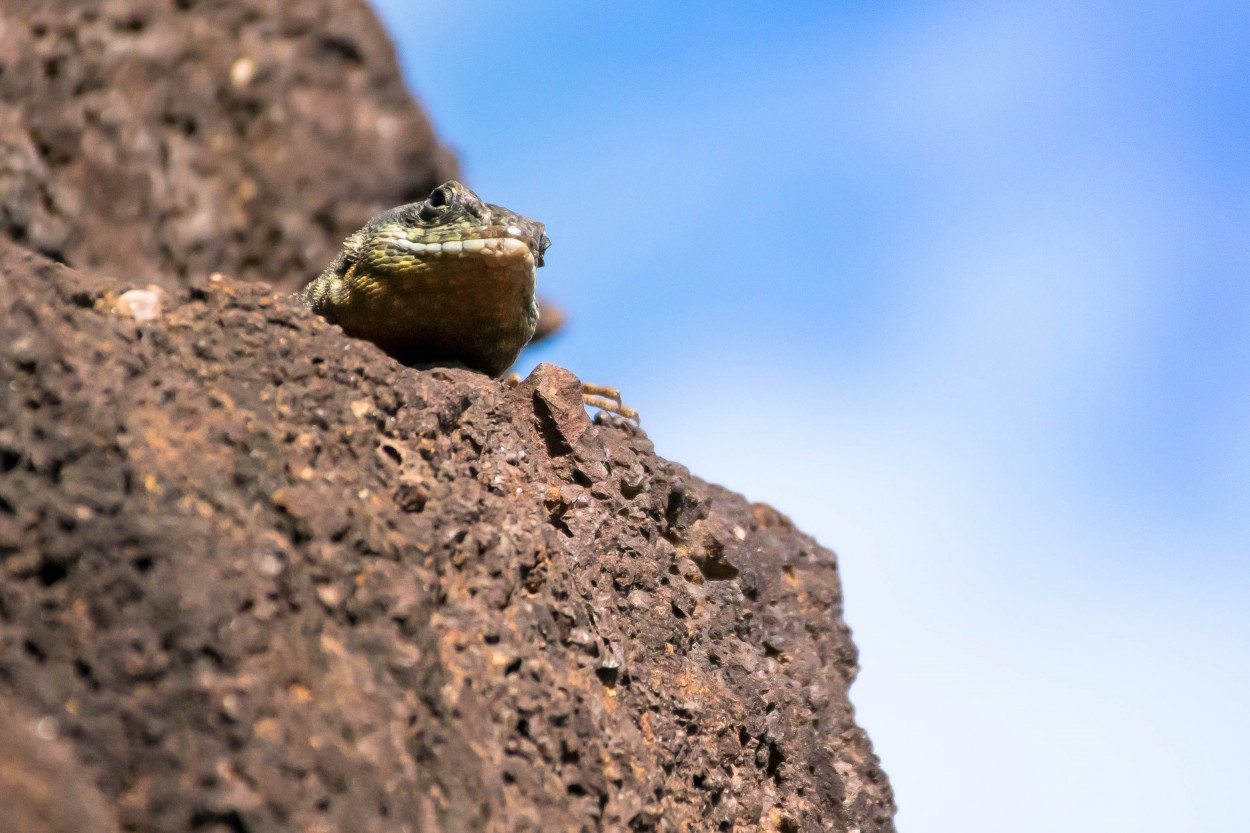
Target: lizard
{"type": "Point", "coordinates": [449, 279]}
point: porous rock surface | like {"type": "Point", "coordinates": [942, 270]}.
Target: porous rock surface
{"type": "Point", "coordinates": [160, 139]}
{"type": "Point", "coordinates": [256, 576]}
{"type": "Point", "coordinates": [43, 788]}
{"type": "Point", "coordinates": [263, 578]}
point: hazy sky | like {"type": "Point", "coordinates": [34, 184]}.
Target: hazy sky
{"type": "Point", "coordinates": [964, 288]}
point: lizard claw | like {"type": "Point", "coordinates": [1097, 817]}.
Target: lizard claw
{"type": "Point", "coordinates": [608, 399]}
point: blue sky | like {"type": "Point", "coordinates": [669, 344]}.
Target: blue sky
{"type": "Point", "coordinates": [964, 288]}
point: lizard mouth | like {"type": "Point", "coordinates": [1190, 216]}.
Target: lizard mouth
{"type": "Point", "coordinates": [501, 243]}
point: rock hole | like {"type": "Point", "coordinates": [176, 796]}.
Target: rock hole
{"type": "Point", "coordinates": [513, 667]}
{"type": "Point", "coordinates": [672, 508]}
{"type": "Point", "coordinates": [643, 821]}
{"type": "Point", "coordinates": [608, 675]}
{"type": "Point", "coordinates": [131, 23]}
{"type": "Point", "coordinates": [713, 564]}
{"type": "Point", "coordinates": [773, 652]}
{"type": "Point", "coordinates": [714, 567]}
{"type": "Point", "coordinates": [34, 651]}
{"type": "Point", "coordinates": [84, 672]}
{"type": "Point", "coordinates": [775, 760]}
{"type": "Point", "coordinates": [412, 497]}
{"type": "Point", "coordinates": [340, 48]}
{"type": "Point", "coordinates": [52, 572]}
{"type": "Point", "coordinates": [223, 820]}
{"type": "Point", "coordinates": [557, 520]}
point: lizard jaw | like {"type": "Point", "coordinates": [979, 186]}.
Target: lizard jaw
{"type": "Point", "coordinates": [508, 247]}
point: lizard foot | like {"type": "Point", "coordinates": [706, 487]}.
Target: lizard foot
{"type": "Point", "coordinates": [608, 399]}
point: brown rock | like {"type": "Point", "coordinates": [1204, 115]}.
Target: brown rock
{"type": "Point", "coordinates": [42, 787]}
{"type": "Point", "coordinates": [259, 577]}
{"type": "Point", "coordinates": [163, 139]}
{"type": "Point", "coordinates": [211, 548]}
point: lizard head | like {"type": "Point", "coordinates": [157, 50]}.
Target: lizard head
{"type": "Point", "coordinates": [450, 278]}
{"type": "Point", "coordinates": [453, 222]}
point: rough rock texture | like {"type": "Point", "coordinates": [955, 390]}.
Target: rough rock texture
{"type": "Point", "coordinates": [43, 789]}
{"type": "Point", "coordinates": [255, 576]}
{"type": "Point", "coordinates": [265, 578]}
{"type": "Point", "coordinates": [159, 139]}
